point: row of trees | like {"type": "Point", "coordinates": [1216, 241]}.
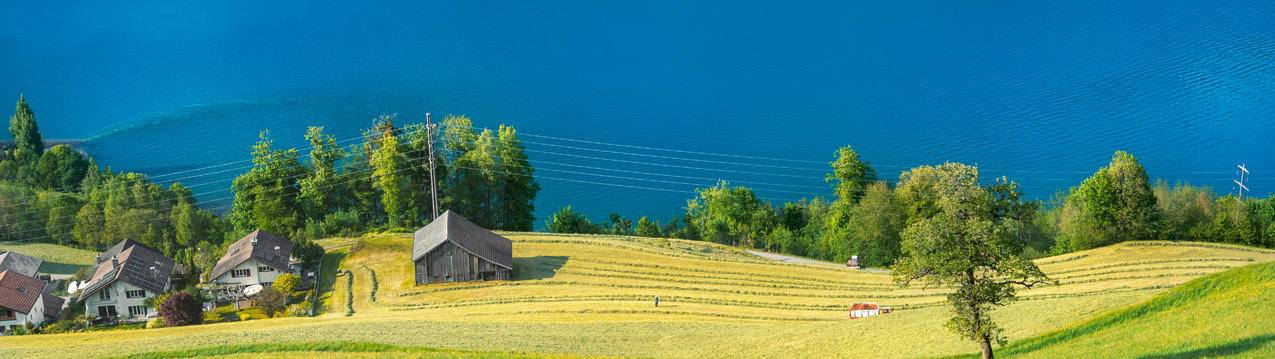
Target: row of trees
{"type": "Point", "coordinates": [868, 217]}
{"type": "Point", "coordinates": [60, 195]}
{"type": "Point", "coordinates": [383, 182]}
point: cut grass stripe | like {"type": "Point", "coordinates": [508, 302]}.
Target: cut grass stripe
{"type": "Point", "coordinates": [331, 347]}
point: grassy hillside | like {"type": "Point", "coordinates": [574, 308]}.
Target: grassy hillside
{"type": "Point", "coordinates": [1226, 314]}
{"type": "Point", "coordinates": [57, 259]}
{"type": "Point", "coordinates": [593, 295]}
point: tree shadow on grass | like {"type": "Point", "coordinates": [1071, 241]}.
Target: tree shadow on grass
{"type": "Point", "coordinates": [540, 267]}
{"type": "Point", "coordinates": [1226, 349]}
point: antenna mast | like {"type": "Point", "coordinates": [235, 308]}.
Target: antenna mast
{"type": "Point", "coordinates": [1243, 173]}
{"type": "Point", "coordinates": [432, 130]}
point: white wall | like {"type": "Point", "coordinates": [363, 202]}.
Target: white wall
{"type": "Point", "coordinates": [255, 277]}
{"type": "Point", "coordinates": [119, 300]}
{"type": "Point", "coordinates": [36, 317]}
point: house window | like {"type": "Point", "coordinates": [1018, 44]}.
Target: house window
{"type": "Point", "coordinates": [240, 273]}
{"type": "Point", "coordinates": [136, 293]}
{"type": "Point", "coordinates": [106, 311]}
{"type": "Point", "coordinates": [137, 311]}
{"type": "Point", "coordinates": [263, 269]}
{"type": "Point", "coordinates": [105, 294]}
{"type": "Point", "coordinates": [5, 313]}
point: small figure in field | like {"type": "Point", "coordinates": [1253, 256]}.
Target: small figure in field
{"type": "Point", "coordinates": [657, 301]}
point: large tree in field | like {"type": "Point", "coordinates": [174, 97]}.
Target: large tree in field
{"type": "Point", "coordinates": [1116, 204]}
{"type": "Point", "coordinates": [388, 163]}
{"type": "Point", "coordinates": [962, 243]}
{"type": "Point", "coordinates": [516, 195]}
{"type": "Point", "coordinates": [28, 145]}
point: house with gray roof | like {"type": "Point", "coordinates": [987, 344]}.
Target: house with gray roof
{"type": "Point", "coordinates": [124, 276]}
{"type": "Point", "coordinates": [257, 258]}
{"type": "Point", "coordinates": [20, 263]}
{"type": "Point", "coordinates": [453, 249]}
{"type": "Point", "coordinates": [21, 301]}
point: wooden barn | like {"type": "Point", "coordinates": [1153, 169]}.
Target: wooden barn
{"type": "Point", "coordinates": [453, 249]}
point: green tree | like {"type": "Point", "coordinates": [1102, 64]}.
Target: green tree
{"type": "Point", "coordinates": [471, 182]}
{"type": "Point", "coordinates": [286, 283]}
{"type": "Point", "coordinates": [1116, 204]}
{"type": "Point", "coordinates": [89, 225]}
{"type": "Point", "coordinates": [387, 163]}
{"type": "Point", "coordinates": [61, 168]}
{"type": "Point", "coordinates": [264, 196]}
{"type": "Point", "coordinates": [63, 209]}
{"type": "Point", "coordinates": [731, 215]}
{"type": "Point", "coordinates": [1186, 211]}
{"type": "Point", "coordinates": [1232, 223]}
{"type": "Point", "coordinates": [567, 220]}
{"type": "Point", "coordinates": [648, 228]}
{"type": "Point", "coordinates": [962, 244]}
{"type": "Point", "coordinates": [875, 227]}
{"type": "Point", "coordinates": [322, 191]}
{"type": "Point", "coordinates": [28, 145]}
{"type": "Point", "coordinates": [270, 301]}
{"type": "Point", "coordinates": [517, 187]}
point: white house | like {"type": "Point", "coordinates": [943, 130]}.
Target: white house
{"type": "Point", "coordinates": [864, 310]}
{"type": "Point", "coordinates": [257, 258]}
{"type": "Point", "coordinates": [124, 276]}
{"type": "Point", "coordinates": [21, 301]}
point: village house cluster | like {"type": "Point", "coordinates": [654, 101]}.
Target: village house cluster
{"type": "Point", "coordinates": [126, 275]}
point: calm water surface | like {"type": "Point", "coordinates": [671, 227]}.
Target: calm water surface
{"type": "Point", "coordinates": [1041, 92]}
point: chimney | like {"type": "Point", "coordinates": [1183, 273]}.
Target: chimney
{"type": "Point", "coordinates": [114, 262]}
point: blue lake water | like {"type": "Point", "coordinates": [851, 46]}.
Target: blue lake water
{"type": "Point", "coordinates": [1041, 92]}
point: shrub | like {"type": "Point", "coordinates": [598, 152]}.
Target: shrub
{"type": "Point", "coordinates": [155, 323]}
{"type": "Point", "coordinates": [371, 276]}
{"type": "Point", "coordinates": [243, 317]}
{"type": "Point", "coordinates": [157, 301]}
{"type": "Point", "coordinates": [286, 283]}
{"type": "Point", "coordinates": [345, 223]}
{"type": "Point", "coordinates": [77, 324]}
{"type": "Point", "coordinates": [181, 309]}
{"type": "Point", "coordinates": [349, 293]}
{"type": "Point", "coordinates": [299, 310]}
{"type": "Point", "coordinates": [307, 251]}
{"type": "Point", "coordinates": [270, 301]}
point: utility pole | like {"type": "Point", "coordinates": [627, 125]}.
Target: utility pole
{"type": "Point", "coordinates": [1243, 173]}
{"type": "Point", "coordinates": [432, 130]}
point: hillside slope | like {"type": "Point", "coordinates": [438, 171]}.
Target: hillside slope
{"type": "Point", "coordinates": [57, 259]}
{"type": "Point", "coordinates": [593, 295]}
{"type": "Point", "coordinates": [1231, 313]}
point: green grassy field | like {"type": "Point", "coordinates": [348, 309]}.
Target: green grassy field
{"type": "Point", "coordinates": [593, 296]}
{"type": "Point", "coordinates": [57, 259]}
{"type": "Point", "coordinates": [1229, 314]}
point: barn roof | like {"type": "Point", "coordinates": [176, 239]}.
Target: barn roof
{"type": "Point", "coordinates": [20, 263]}
{"type": "Point", "coordinates": [132, 262]}
{"type": "Point", "coordinates": [260, 245]}
{"type": "Point", "coordinates": [469, 236]}
{"type": "Point", "coordinates": [19, 292]}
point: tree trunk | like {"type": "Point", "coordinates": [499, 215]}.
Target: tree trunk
{"type": "Point", "coordinates": [987, 346]}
